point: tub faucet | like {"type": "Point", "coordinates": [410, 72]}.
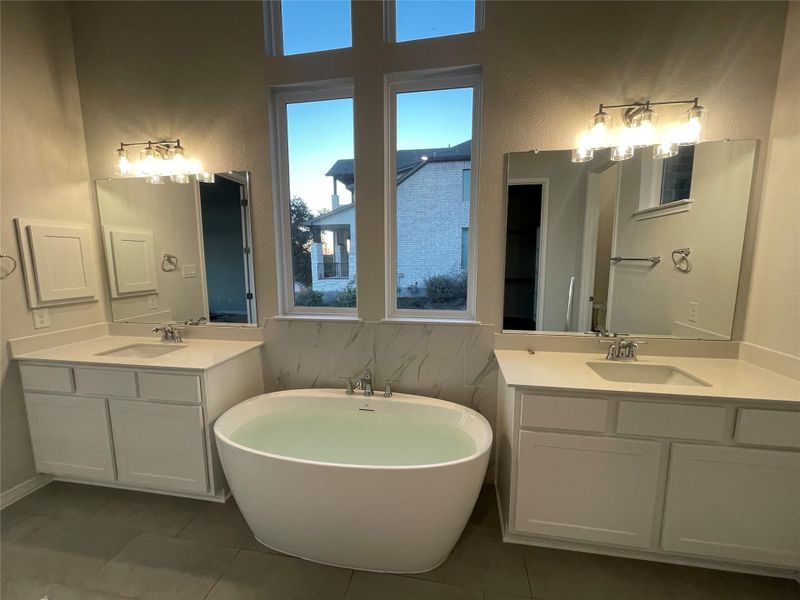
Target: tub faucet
{"type": "Point", "coordinates": [366, 382]}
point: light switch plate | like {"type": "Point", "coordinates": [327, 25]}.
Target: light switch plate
{"type": "Point", "coordinates": [189, 271]}
{"type": "Point", "coordinates": [41, 318]}
{"type": "Point", "coordinates": [152, 302]}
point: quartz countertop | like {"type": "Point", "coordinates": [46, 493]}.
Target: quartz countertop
{"type": "Point", "coordinates": [728, 378]}
{"type": "Point", "coordinates": [195, 353]}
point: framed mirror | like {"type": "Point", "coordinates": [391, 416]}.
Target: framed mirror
{"type": "Point", "coordinates": [178, 252]}
{"type": "Point", "coordinates": [643, 246]}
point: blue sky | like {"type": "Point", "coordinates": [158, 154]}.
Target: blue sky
{"type": "Point", "coordinates": [322, 132]}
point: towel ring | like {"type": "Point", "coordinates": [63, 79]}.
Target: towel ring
{"type": "Point", "coordinates": [13, 265]}
{"type": "Point", "coordinates": [168, 262]}
{"type": "Point", "coordinates": [680, 258]}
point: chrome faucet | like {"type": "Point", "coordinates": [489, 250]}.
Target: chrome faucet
{"type": "Point", "coordinates": [169, 334]}
{"type": "Point", "coordinates": [366, 382]}
{"type": "Point", "coordinates": [197, 321]}
{"type": "Point", "coordinates": [623, 350]}
{"type": "Point", "coordinates": [387, 392]}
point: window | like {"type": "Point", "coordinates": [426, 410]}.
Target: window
{"type": "Point", "coordinates": [676, 180]}
{"type": "Point", "coordinates": [432, 142]}
{"type": "Point", "coordinates": [316, 199]}
{"type": "Point", "coordinates": [302, 26]}
{"type": "Point", "coordinates": [423, 19]}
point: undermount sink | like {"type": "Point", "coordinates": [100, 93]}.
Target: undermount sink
{"type": "Point", "coordinates": [142, 350]}
{"type": "Point", "coordinates": [644, 373]}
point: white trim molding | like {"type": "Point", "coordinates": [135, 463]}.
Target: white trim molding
{"type": "Point", "coordinates": [422, 81]}
{"type": "Point", "coordinates": [27, 487]}
{"type": "Point", "coordinates": [671, 208]}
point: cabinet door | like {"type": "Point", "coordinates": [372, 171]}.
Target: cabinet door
{"type": "Point", "coordinates": [71, 436]}
{"type": "Point", "coordinates": [159, 446]}
{"type": "Point", "coordinates": [734, 503]}
{"type": "Point", "coordinates": [587, 488]}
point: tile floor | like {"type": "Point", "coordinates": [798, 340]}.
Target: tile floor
{"type": "Point", "coordinates": [75, 542]}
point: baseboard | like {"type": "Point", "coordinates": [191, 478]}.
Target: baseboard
{"type": "Point", "coordinates": [19, 491]}
{"type": "Point", "coordinates": [773, 360]}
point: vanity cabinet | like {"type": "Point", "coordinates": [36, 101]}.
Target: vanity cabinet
{"type": "Point", "coordinates": [136, 427]}
{"type": "Point", "coordinates": [676, 479]}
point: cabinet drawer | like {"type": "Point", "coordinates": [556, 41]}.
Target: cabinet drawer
{"type": "Point", "coordinates": [170, 387]}
{"type": "Point", "coordinates": [563, 412]}
{"type": "Point", "coordinates": [46, 378]}
{"type": "Point", "coordinates": [680, 421]}
{"type": "Point", "coordinates": [106, 382]}
{"type": "Point", "coordinates": [768, 428]}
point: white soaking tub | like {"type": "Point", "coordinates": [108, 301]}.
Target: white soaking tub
{"type": "Point", "coordinates": [380, 484]}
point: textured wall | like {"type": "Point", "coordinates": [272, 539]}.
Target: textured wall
{"type": "Point", "coordinates": [773, 315]}
{"type": "Point", "coordinates": [44, 175]}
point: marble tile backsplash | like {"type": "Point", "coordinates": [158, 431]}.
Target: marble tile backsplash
{"type": "Point", "coordinates": [451, 362]}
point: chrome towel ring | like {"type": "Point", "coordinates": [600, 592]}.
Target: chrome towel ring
{"type": "Point", "coordinates": [168, 262]}
{"type": "Point", "coordinates": [13, 265]}
{"type": "Point", "coordinates": [680, 258]}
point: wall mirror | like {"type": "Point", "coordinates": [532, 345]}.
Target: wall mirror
{"type": "Point", "coordinates": [643, 246]}
{"type": "Point", "coordinates": [178, 252]}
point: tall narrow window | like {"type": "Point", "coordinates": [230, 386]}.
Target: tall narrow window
{"type": "Point", "coordinates": [302, 26]}
{"type": "Point", "coordinates": [422, 19]}
{"type": "Point", "coordinates": [317, 201]}
{"type": "Point", "coordinates": [432, 161]}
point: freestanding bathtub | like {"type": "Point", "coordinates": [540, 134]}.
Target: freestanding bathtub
{"type": "Point", "coordinates": [380, 484]}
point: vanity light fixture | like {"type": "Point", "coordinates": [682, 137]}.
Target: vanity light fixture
{"type": "Point", "coordinates": [640, 130]}
{"type": "Point", "coordinates": [159, 161]}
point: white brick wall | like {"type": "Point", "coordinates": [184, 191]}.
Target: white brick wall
{"type": "Point", "coordinates": [431, 212]}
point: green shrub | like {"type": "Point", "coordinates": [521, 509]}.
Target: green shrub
{"type": "Point", "coordinates": [308, 297]}
{"type": "Point", "coordinates": [443, 288]}
{"type": "Point", "coordinates": [346, 297]}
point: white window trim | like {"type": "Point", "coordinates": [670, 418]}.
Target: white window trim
{"type": "Point", "coordinates": [390, 23]}
{"type": "Point", "coordinates": [422, 81]}
{"type": "Point", "coordinates": [650, 206]}
{"type": "Point", "coordinates": [272, 16]}
{"type": "Point", "coordinates": [325, 90]}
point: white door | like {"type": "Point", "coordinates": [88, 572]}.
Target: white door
{"type": "Point", "coordinates": [71, 436]}
{"type": "Point", "coordinates": [160, 446]}
{"type": "Point", "coordinates": [734, 503]}
{"type": "Point", "coordinates": [587, 488]}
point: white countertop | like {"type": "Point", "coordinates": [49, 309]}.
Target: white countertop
{"type": "Point", "coordinates": [728, 378]}
{"type": "Point", "coordinates": [196, 354]}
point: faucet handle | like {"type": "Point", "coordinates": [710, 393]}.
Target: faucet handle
{"type": "Point", "coordinates": [349, 385]}
{"type": "Point", "coordinates": [387, 392]}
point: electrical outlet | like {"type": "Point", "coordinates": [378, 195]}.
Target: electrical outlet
{"type": "Point", "coordinates": [189, 271]}
{"type": "Point", "coordinates": [152, 302]}
{"type": "Point", "coordinates": [41, 318]}
{"type": "Point", "coordinates": [694, 309]}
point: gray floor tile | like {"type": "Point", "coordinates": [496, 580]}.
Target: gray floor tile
{"type": "Point", "coordinates": [66, 500]}
{"type": "Point", "coordinates": [262, 576]}
{"type": "Point", "coordinates": [154, 513]}
{"type": "Point", "coordinates": [481, 562]}
{"type": "Point", "coordinates": [155, 567]}
{"type": "Point", "coordinates": [64, 550]}
{"type": "Point", "coordinates": [16, 524]}
{"type": "Point", "coordinates": [689, 583]}
{"type": "Point", "coordinates": [222, 524]}
{"type": "Point", "coordinates": [485, 517]}
{"type": "Point", "coordinates": [563, 575]}
{"type": "Point", "coordinates": [372, 586]}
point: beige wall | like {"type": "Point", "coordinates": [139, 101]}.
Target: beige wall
{"type": "Point", "coordinates": [773, 313]}
{"type": "Point", "coordinates": [169, 211]}
{"type": "Point", "coordinates": [44, 175]}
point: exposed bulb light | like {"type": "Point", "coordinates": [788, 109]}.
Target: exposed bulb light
{"type": "Point", "coordinates": [665, 150]}
{"type": "Point", "coordinates": [582, 154]}
{"type": "Point", "coordinates": [423, 157]}
{"type": "Point", "coordinates": [122, 166]}
{"type": "Point", "coordinates": [599, 129]}
{"type": "Point", "coordinates": [179, 178]}
{"type": "Point", "coordinates": [155, 180]}
{"type": "Point", "coordinates": [621, 152]}
{"type": "Point", "coordinates": [205, 177]}
{"type": "Point", "coordinates": [645, 133]}
{"type": "Point", "coordinates": [690, 130]}
{"type": "Point", "coordinates": [149, 163]}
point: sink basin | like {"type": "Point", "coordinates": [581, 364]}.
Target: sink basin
{"type": "Point", "coordinates": [644, 373]}
{"type": "Point", "coordinates": [142, 350]}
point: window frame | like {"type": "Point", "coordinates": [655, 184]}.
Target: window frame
{"type": "Point", "coordinates": [390, 23]}
{"type": "Point", "coordinates": [338, 89]}
{"type": "Point", "coordinates": [425, 81]}
{"type": "Point", "coordinates": [272, 17]}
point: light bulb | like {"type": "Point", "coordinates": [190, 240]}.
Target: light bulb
{"type": "Point", "coordinates": [205, 177]}
{"type": "Point", "coordinates": [582, 154]}
{"type": "Point", "coordinates": [690, 130]}
{"type": "Point", "coordinates": [621, 152]}
{"type": "Point", "coordinates": [665, 150]}
{"type": "Point", "coordinates": [645, 133]}
{"type": "Point", "coordinates": [155, 180]}
{"type": "Point", "coordinates": [149, 163]}
{"type": "Point", "coordinates": [179, 165]}
{"type": "Point", "coordinates": [179, 178]}
{"type": "Point", "coordinates": [122, 166]}
{"type": "Point", "coordinates": [598, 130]}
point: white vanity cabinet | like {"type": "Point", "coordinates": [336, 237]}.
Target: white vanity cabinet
{"type": "Point", "coordinates": [138, 427]}
{"type": "Point", "coordinates": [678, 479]}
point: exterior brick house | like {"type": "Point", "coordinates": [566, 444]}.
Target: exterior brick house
{"type": "Point", "coordinates": [433, 193]}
